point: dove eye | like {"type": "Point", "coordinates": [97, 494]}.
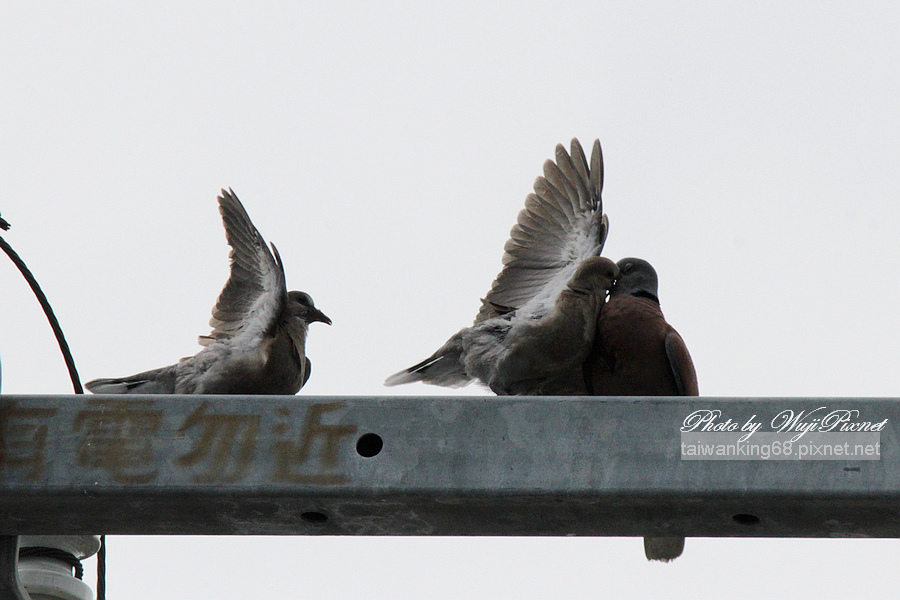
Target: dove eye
{"type": "Point", "coordinates": [627, 268]}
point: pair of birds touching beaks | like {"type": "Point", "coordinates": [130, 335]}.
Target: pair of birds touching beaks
{"type": "Point", "coordinates": [559, 319]}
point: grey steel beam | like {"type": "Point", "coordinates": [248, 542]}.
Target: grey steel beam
{"type": "Point", "coordinates": [426, 466]}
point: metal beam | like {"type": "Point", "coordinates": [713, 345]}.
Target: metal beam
{"type": "Point", "coordinates": [428, 466]}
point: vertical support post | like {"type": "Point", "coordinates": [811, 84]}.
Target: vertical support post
{"type": "Point", "coordinates": [9, 576]}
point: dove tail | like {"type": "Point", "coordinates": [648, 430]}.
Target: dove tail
{"type": "Point", "coordinates": [405, 376]}
{"type": "Point", "coordinates": [157, 381]}
{"type": "Point", "coordinates": [443, 368]}
{"type": "Point", "coordinates": [663, 549]}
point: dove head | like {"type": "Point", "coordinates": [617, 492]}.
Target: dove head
{"type": "Point", "coordinates": [636, 278]}
{"type": "Point", "coordinates": [302, 307]}
{"type": "Point", "coordinates": [595, 275]}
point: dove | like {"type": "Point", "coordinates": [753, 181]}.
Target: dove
{"type": "Point", "coordinates": [535, 326]}
{"type": "Point", "coordinates": [637, 353]}
{"type": "Point", "coordinates": [258, 341]}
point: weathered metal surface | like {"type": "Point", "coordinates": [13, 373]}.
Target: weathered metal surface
{"type": "Point", "coordinates": [447, 466]}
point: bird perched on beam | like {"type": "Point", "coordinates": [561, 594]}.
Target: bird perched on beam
{"type": "Point", "coordinates": [536, 325]}
{"type": "Point", "coordinates": [637, 353]}
{"type": "Point", "coordinates": [628, 348]}
{"type": "Point", "coordinates": [258, 341]}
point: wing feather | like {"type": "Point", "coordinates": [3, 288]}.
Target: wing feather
{"type": "Point", "coordinates": [255, 293]}
{"type": "Point", "coordinates": [681, 365]}
{"type": "Point", "coordinates": [561, 225]}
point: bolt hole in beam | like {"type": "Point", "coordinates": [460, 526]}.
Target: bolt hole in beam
{"type": "Point", "coordinates": [314, 517]}
{"type": "Point", "coordinates": [369, 445]}
{"type": "Point", "coordinates": [745, 519]}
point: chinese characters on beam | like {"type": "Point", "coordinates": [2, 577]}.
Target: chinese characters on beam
{"type": "Point", "coordinates": [126, 439]}
{"type": "Point", "coordinates": [23, 439]}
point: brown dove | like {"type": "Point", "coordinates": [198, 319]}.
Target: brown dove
{"type": "Point", "coordinates": [637, 353]}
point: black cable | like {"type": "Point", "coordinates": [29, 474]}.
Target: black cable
{"type": "Point", "coordinates": [73, 375]}
{"type": "Point", "coordinates": [54, 324]}
{"type": "Point", "coordinates": [101, 569]}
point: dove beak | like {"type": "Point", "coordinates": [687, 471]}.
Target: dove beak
{"type": "Point", "coordinates": [317, 315]}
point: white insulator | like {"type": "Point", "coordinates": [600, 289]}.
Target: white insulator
{"type": "Point", "coordinates": [47, 578]}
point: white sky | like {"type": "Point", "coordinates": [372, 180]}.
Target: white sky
{"type": "Point", "coordinates": [752, 156]}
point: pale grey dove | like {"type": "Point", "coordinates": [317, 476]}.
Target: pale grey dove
{"type": "Point", "coordinates": [536, 324]}
{"type": "Point", "coordinates": [258, 341]}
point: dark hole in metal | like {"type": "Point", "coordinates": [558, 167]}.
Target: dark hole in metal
{"type": "Point", "coordinates": [369, 444]}
{"type": "Point", "coordinates": [745, 519]}
{"type": "Point", "coordinates": [314, 517]}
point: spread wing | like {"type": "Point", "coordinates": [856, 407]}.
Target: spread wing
{"type": "Point", "coordinates": [255, 293]}
{"type": "Point", "coordinates": [561, 225]}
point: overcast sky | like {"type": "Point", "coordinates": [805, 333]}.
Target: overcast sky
{"type": "Point", "coordinates": [752, 155]}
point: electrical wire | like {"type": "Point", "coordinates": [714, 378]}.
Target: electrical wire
{"type": "Point", "coordinates": [70, 365]}
{"type": "Point", "coordinates": [45, 304]}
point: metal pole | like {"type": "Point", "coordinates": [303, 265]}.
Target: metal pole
{"type": "Point", "coordinates": [9, 577]}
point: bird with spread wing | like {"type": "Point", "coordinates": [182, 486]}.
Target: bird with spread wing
{"type": "Point", "coordinates": [536, 325]}
{"type": "Point", "coordinates": [258, 341]}
{"type": "Point", "coordinates": [561, 320]}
